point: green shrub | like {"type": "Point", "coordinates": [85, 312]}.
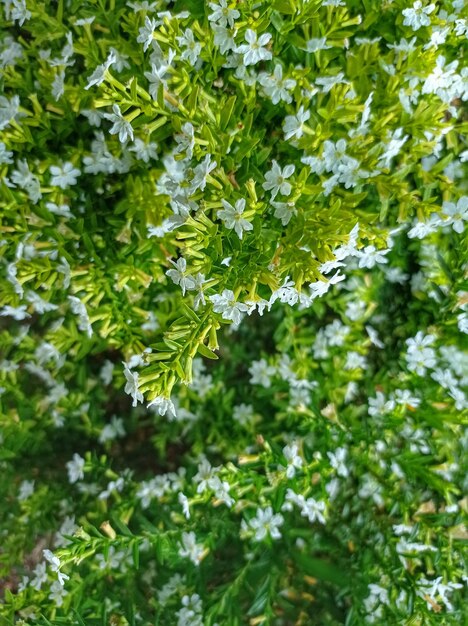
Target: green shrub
{"type": "Point", "coordinates": [232, 312]}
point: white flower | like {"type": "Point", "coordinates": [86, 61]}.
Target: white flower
{"type": "Point", "coordinates": [337, 461]}
{"type": "Point", "coordinates": [223, 38]}
{"type": "Point", "coordinates": [422, 229]}
{"type": "Point", "coordinates": [293, 125]}
{"type": "Point", "coordinates": [405, 397]}
{"type": "Point", "coordinates": [24, 178]}
{"type": "Point", "coordinates": [40, 577]}
{"type": "Point", "coordinates": [26, 490]}
{"type": "Point", "coordinates": [417, 16]}
{"type": "Point", "coordinates": [113, 430]}
{"type": "Point", "coordinates": [253, 50]}
{"type": "Point", "coordinates": [191, 612]}
{"type": "Point", "coordinates": [222, 14]}
{"type": "Point", "coordinates": [226, 305]}
{"type": "Point", "coordinates": [266, 523]}
{"type": "Point", "coordinates": [192, 47]}
{"type": "Point", "coordinates": [16, 10]}
{"type": "Point", "coordinates": [144, 151]}
{"type": "Point", "coordinates": [58, 85]}
{"type": "Point", "coordinates": [183, 501]}
{"type": "Point", "coordinates": [430, 589]}
{"type": "Point", "coordinates": [380, 405]}
{"type": "Point", "coordinates": [201, 172]}
{"type": "Point", "coordinates": [456, 214]}
{"type": "Point", "coordinates": [420, 355]}
{"type": "Point", "coordinates": [190, 548]}
{"type": "Point", "coordinates": [462, 322]}
{"type": "Point", "coordinates": [185, 140]}
{"type": "Point", "coordinates": [154, 488]}
{"type": "Point", "coordinates": [114, 560]}
{"type": "Point", "coordinates": [99, 74]}
{"type": "Point", "coordinates": [64, 176]}
{"type": "Point", "coordinates": [132, 385]}
{"type": "Point", "coordinates": [120, 125]}
{"type": "Point", "coordinates": [17, 313]}
{"type": "Point", "coordinates": [275, 86]}
{"type": "Point", "coordinates": [205, 476]}
{"type": "Point", "coordinates": [57, 593]}
{"type": "Point", "coordinates": [79, 309]}
{"type": "Point", "coordinates": [164, 406]}
{"type": "Point", "coordinates": [232, 216]}
{"type": "Point", "coordinates": [313, 510]}
{"type": "Point", "coordinates": [275, 180]}
{"type": "Point", "coordinates": [179, 276]}
{"type": "Point", "coordinates": [294, 460]}
{"type": "Point", "coordinates": [314, 45]}
{"type": "Point", "coordinates": [145, 35]}
{"type": "Point", "coordinates": [9, 110]}
{"type": "Point", "coordinates": [328, 82]}
{"type": "Point", "coordinates": [370, 256]}
{"type": "Point", "coordinates": [158, 73]}
{"type": "Point", "coordinates": [55, 566]}
{"type": "Point", "coordinates": [261, 373]}
{"type": "Point", "coordinates": [6, 156]}
{"type": "Point", "coordinates": [243, 413]}
{"type": "Point", "coordinates": [354, 360]}
{"type": "Point", "coordinates": [284, 211]}
{"type": "Point", "coordinates": [75, 468]}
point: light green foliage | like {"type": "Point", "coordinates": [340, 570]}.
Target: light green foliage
{"type": "Point", "coordinates": [232, 312]}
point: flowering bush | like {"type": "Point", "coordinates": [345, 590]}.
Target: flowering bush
{"type": "Point", "coordinates": [232, 310]}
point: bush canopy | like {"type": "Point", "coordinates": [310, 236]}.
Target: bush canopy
{"type": "Point", "coordinates": [233, 312]}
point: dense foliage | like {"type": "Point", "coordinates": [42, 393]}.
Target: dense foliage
{"type": "Point", "coordinates": [233, 312]}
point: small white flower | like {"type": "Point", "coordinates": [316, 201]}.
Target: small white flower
{"type": "Point", "coordinates": [284, 211]}
{"type": "Point", "coordinates": [226, 305]}
{"type": "Point", "coordinates": [75, 468]}
{"type": "Point", "coordinates": [418, 16]}
{"type": "Point", "coordinates": [179, 275]}
{"type": "Point", "coordinates": [370, 256]}
{"type": "Point", "coordinates": [275, 86]}
{"type": "Point", "coordinates": [164, 406]}
{"type": "Point", "coordinates": [294, 460]}
{"type": "Point", "coordinates": [337, 461]}
{"type": "Point", "coordinates": [313, 510]}
{"type": "Point", "coordinates": [455, 214]}
{"type": "Point", "coordinates": [6, 156]}
{"type": "Point", "coordinates": [275, 180]}
{"type": "Point", "coordinates": [120, 125]}
{"type": "Point", "coordinates": [266, 523]}
{"type": "Point", "coordinates": [243, 413]}
{"type": "Point", "coordinates": [57, 593]}
{"type": "Point", "coordinates": [232, 217]}
{"type": "Point", "coordinates": [420, 355]}
{"type": "Point", "coordinates": [64, 176]}
{"type": "Point", "coordinates": [201, 172]}
{"type": "Point", "coordinates": [319, 43]}
{"type": "Point", "coordinates": [253, 50]}
{"type": "Point", "coordinates": [293, 125]}
{"type": "Point", "coordinates": [192, 47]}
{"type": "Point", "coordinates": [132, 385]}
{"type": "Point", "coordinates": [261, 373]}
{"type": "Point", "coordinates": [145, 33]}
{"type": "Point", "coordinates": [113, 430]}
{"type": "Point", "coordinates": [191, 549]}
{"type": "Point", "coordinates": [99, 74]}
{"type": "Point", "coordinates": [79, 309]}
{"type": "Point", "coordinates": [26, 490]}
{"type": "Point", "coordinates": [222, 14]}
{"type": "Point", "coordinates": [183, 501]}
